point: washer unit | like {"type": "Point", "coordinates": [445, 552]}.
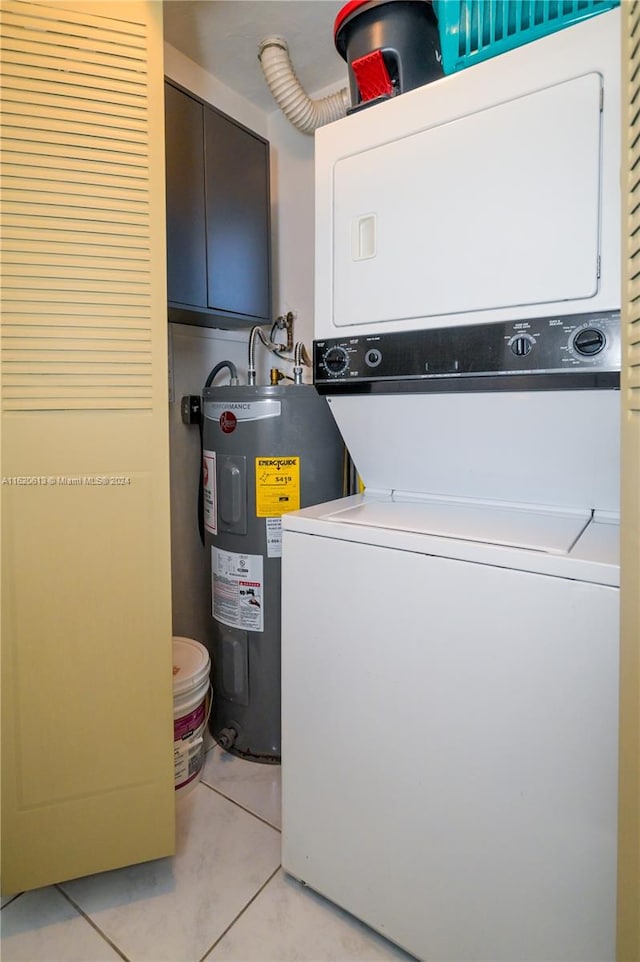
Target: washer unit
{"type": "Point", "coordinates": [450, 636]}
{"type": "Point", "coordinates": [450, 672]}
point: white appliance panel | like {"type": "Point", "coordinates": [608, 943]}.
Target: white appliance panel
{"type": "Point", "coordinates": [462, 205]}
{"type": "Point", "coordinates": [536, 530]}
{"type": "Point", "coordinates": [496, 209]}
{"type": "Point", "coordinates": [557, 448]}
{"type": "Point", "coordinates": [449, 750]}
{"type": "Point", "coordinates": [594, 558]}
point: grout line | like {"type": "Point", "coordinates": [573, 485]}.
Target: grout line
{"type": "Point", "coordinates": [241, 913]}
{"type": "Point", "coordinates": [12, 898]}
{"type": "Point", "coordinates": [243, 807]}
{"type": "Point", "coordinates": [93, 925]}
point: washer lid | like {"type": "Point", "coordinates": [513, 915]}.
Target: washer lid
{"type": "Point", "coordinates": [536, 529]}
{"type": "Point", "coordinates": [556, 448]}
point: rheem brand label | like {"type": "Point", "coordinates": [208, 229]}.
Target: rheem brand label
{"type": "Point", "coordinates": [227, 412]}
{"type": "Point", "coordinates": [228, 422]}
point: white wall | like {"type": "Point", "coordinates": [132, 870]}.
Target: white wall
{"type": "Point", "coordinates": [292, 193]}
{"type": "Point", "coordinates": [292, 211]}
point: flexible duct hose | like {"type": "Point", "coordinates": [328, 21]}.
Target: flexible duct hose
{"type": "Point", "coordinates": [303, 112]}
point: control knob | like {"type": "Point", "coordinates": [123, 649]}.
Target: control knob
{"type": "Point", "coordinates": [522, 345]}
{"type": "Point", "coordinates": [335, 361]}
{"type": "Point", "coordinates": [589, 341]}
{"type": "Point", "coordinates": [373, 357]}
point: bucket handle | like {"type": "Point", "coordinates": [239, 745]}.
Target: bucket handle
{"type": "Point", "coordinates": [209, 697]}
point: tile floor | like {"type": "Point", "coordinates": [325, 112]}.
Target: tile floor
{"type": "Point", "coordinates": [222, 898]}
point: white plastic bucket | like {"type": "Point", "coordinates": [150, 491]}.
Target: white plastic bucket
{"type": "Point", "coordinates": [191, 708]}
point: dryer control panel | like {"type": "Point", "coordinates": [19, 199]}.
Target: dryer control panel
{"type": "Point", "coordinates": [544, 353]}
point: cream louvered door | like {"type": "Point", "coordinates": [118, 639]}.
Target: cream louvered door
{"type": "Point", "coordinates": [628, 947]}
{"type": "Point", "coordinates": [87, 737]}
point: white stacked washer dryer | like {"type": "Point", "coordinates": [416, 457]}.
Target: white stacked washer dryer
{"type": "Point", "coordinates": [450, 637]}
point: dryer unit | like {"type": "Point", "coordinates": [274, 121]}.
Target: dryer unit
{"type": "Point", "coordinates": [491, 194]}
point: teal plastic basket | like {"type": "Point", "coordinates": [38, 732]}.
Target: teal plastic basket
{"type": "Point", "coordinates": [475, 30]}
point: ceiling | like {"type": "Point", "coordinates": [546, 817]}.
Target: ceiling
{"type": "Point", "coordinates": [222, 36]}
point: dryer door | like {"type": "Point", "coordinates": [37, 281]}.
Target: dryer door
{"type": "Point", "coordinates": [493, 210]}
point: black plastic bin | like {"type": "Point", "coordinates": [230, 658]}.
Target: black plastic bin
{"type": "Point", "coordinates": [391, 46]}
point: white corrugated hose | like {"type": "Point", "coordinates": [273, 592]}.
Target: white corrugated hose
{"type": "Point", "coordinates": [303, 112]}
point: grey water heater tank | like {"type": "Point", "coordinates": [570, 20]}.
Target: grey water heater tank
{"type": "Point", "coordinates": [267, 450]}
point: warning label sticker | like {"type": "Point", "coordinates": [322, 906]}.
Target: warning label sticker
{"type": "Point", "coordinates": [209, 491]}
{"type": "Point", "coordinates": [237, 589]}
{"type": "Point", "coordinates": [273, 533]}
{"type": "Point", "coordinates": [277, 486]}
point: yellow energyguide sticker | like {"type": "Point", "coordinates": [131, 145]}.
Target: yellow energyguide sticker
{"type": "Point", "coordinates": [277, 486]}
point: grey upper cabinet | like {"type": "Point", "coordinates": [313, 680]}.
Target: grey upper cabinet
{"type": "Point", "coordinates": [218, 216]}
{"type": "Point", "coordinates": [237, 194]}
{"type": "Point", "coordinates": [186, 228]}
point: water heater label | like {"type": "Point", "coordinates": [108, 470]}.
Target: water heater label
{"type": "Point", "coordinates": [237, 589]}
{"type": "Point", "coordinates": [277, 486]}
{"type": "Point", "coordinates": [273, 533]}
{"type": "Point", "coordinates": [242, 410]}
{"type": "Point", "coordinates": [210, 491]}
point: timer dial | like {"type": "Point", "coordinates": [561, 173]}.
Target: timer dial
{"type": "Point", "coordinates": [589, 341]}
{"type": "Point", "coordinates": [522, 345]}
{"type": "Point", "coordinates": [335, 361]}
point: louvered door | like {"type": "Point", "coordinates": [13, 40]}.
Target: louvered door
{"type": "Point", "coordinates": [87, 771]}
{"type": "Point", "coordinates": [628, 949]}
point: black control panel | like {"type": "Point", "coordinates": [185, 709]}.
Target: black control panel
{"type": "Point", "coordinates": [569, 351]}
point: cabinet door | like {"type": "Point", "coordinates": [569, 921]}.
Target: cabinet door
{"type": "Point", "coordinates": [628, 941]}
{"type": "Point", "coordinates": [237, 204]}
{"type": "Point", "coordinates": [186, 235]}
